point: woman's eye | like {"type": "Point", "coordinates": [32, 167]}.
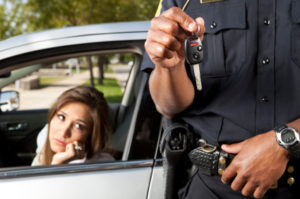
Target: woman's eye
{"type": "Point", "coordinates": [77, 126]}
{"type": "Point", "coordinates": [61, 117]}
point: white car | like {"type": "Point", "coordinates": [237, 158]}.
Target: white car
{"type": "Point", "coordinates": [137, 172]}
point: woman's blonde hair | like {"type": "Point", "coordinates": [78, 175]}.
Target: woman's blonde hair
{"type": "Point", "coordinates": [101, 131]}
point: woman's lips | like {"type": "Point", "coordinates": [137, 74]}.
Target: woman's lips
{"type": "Point", "coordinates": [59, 142]}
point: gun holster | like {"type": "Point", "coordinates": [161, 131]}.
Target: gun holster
{"type": "Point", "coordinates": [174, 147]}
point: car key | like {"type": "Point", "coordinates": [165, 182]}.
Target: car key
{"type": "Point", "coordinates": [194, 55]}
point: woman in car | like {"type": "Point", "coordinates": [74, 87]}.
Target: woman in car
{"type": "Point", "coordinates": [78, 129]}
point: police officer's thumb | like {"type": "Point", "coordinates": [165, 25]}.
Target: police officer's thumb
{"type": "Point", "coordinates": [232, 148]}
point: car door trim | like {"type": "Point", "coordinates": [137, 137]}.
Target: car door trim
{"type": "Point", "coordinates": [18, 172]}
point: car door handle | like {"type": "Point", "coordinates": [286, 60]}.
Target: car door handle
{"type": "Point", "coordinates": [16, 126]}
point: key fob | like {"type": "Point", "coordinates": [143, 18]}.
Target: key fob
{"type": "Point", "coordinates": [193, 50]}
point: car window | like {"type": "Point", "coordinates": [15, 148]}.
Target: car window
{"type": "Point", "coordinates": [147, 129]}
{"type": "Point", "coordinates": [37, 86]}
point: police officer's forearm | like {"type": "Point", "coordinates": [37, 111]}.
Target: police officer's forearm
{"type": "Point", "coordinates": [171, 89]}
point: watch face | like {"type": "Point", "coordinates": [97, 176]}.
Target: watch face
{"type": "Point", "coordinates": [288, 136]}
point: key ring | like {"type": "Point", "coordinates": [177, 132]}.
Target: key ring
{"type": "Point", "coordinates": [199, 30]}
{"type": "Point", "coordinates": [197, 34]}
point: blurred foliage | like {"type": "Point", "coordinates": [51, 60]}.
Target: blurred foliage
{"type": "Point", "coordinates": [10, 19]}
{"type": "Point", "coordinates": [23, 16]}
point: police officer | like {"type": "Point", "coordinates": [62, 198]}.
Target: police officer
{"type": "Point", "coordinates": [250, 101]}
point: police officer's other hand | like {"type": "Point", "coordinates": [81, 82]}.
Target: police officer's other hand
{"type": "Point", "coordinates": [259, 163]}
{"type": "Point", "coordinates": [165, 41]}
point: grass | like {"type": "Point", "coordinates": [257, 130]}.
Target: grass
{"type": "Point", "coordinates": [109, 69]}
{"type": "Point", "coordinates": [110, 88]}
{"type": "Point", "coordinates": [45, 81]}
{"type": "Point", "coordinates": [74, 71]}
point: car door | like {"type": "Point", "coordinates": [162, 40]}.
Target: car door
{"type": "Point", "coordinates": [126, 178]}
{"type": "Point", "coordinates": [134, 119]}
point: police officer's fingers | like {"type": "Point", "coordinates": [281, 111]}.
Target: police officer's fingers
{"type": "Point", "coordinates": [229, 173]}
{"type": "Point", "coordinates": [260, 192]}
{"type": "Point", "coordinates": [249, 188]}
{"type": "Point", "coordinates": [178, 15]}
{"type": "Point", "coordinates": [200, 21]}
{"type": "Point", "coordinates": [238, 183]}
{"type": "Point", "coordinates": [157, 51]}
{"type": "Point", "coordinates": [233, 148]}
{"type": "Point", "coordinates": [171, 27]}
{"type": "Point", "coordinates": [164, 39]}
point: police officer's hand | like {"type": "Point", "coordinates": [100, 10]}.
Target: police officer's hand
{"type": "Point", "coordinates": [259, 163]}
{"type": "Point", "coordinates": [166, 36]}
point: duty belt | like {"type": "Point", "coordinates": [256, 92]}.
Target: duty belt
{"type": "Point", "coordinates": [213, 161]}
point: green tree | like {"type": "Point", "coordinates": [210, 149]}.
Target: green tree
{"type": "Point", "coordinates": [10, 19]}
{"type": "Point", "coordinates": [21, 16]}
{"type": "Point", "coordinates": [43, 14]}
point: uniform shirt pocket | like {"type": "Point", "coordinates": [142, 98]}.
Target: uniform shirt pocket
{"type": "Point", "coordinates": [295, 33]}
{"type": "Point", "coordinates": [225, 37]}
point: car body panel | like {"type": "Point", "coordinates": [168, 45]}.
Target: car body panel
{"type": "Point", "coordinates": [96, 184]}
{"type": "Point", "coordinates": [157, 186]}
{"type": "Point", "coordinates": [73, 35]}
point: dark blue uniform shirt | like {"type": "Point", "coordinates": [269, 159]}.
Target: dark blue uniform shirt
{"type": "Point", "coordinates": [251, 68]}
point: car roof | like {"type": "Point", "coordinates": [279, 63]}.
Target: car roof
{"type": "Point", "coordinates": [59, 37]}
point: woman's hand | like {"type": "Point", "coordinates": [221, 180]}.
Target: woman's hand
{"type": "Point", "coordinates": [73, 150]}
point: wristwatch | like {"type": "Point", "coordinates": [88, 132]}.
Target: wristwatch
{"type": "Point", "coordinates": [288, 138]}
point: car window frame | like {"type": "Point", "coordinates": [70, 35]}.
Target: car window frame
{"type": "Point", "coordinates": [86, 167]}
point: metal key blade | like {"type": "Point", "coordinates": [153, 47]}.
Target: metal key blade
{"type": "Point", "coordinates": [196, 69]}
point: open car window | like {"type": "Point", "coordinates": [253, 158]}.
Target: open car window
{"type": "Point", "coordinates": [39, 85]}
{"type": "Point", "coordinates": [116, 73]}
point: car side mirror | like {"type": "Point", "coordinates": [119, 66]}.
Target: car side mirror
{"type": "Point", "coordinates": [9, 100]}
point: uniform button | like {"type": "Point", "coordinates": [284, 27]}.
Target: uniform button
{"type": "Point", "coordinates": [291, 181]}
{"type": "Point", "coordinates": [222, 160]}
{"type": "Point", "coordinates": [264, 99]}
{"type": "Point", "coordinates": [213, 25]}
{"type": "Point", "coordinates": [220, 171]}
{"type": "Point", "coordinates": [290, 169]}
{"type": "Point", "coordinates": [267, 21]}
{"type": "Point", "coordinates": [265, 61]}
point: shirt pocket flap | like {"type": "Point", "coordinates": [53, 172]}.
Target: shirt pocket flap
{"type": "Point", "coordinates": [224, 16]}
{"type": "Point", "coordinates": [296, 11]}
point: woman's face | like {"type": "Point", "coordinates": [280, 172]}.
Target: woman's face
{"type": "Point", "coordinates": [72, 122]}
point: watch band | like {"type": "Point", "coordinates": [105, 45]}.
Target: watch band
{"type": "Point", "coordinates": [295, 151]}
{"type": "Point", "coordinates": [278, 129]}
